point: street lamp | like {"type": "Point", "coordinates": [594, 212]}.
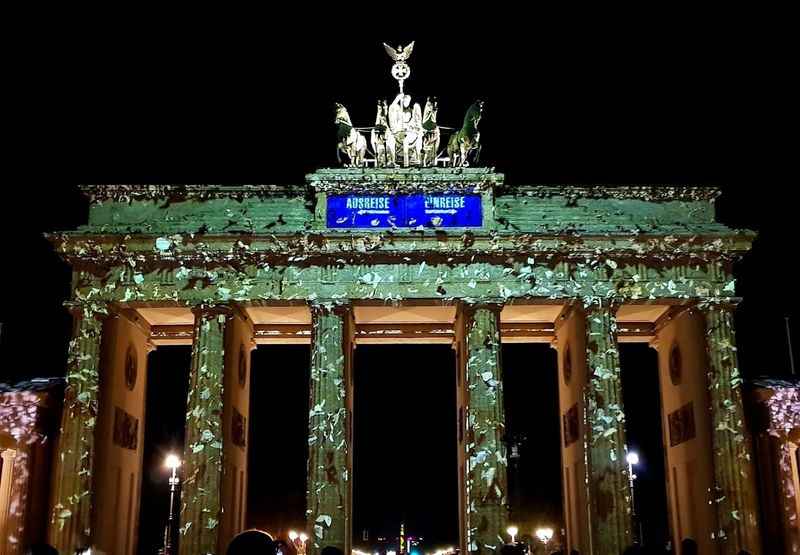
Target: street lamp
{"type": "Point", "coordinates": [633, 459]}
{"type": "Point", "coordinates": [512, 531]}
{"type": "Point", "coordinates": [544, 534]}
{"type": "Point", "coordinates": [298, 541]}
{"type": "Point", "coordinates": [172, 462]}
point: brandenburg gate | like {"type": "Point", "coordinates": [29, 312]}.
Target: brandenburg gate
{"type": "Point", "coordinates": [414, 245]}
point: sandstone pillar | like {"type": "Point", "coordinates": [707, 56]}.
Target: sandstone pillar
{"type": "Point", "coordinates": [6, 481]}
{"type": "Point", "coordinates": [735, 495]}
{"type": "Point", "coordinates": [485, 480]}
{"type": "Point", "coordinates": [202, 460]}
{"type": "Point", "coordinates": [609, 490]}
{"type": "Point", "coordinates": [329, 505]}
{"type": "Point", "coordinates": [72, 490]}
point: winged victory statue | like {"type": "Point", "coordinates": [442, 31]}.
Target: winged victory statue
{"type": "Point", "coordinates": [405, 135]}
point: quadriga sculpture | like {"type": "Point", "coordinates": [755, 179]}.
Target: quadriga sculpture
{"type": "Point", "coordinates": [349, 140]}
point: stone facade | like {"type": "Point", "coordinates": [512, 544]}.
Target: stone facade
{"type": "Point", "coordinates": [215, 250]}
{"type": "Point", "coordinates": [28, 418]}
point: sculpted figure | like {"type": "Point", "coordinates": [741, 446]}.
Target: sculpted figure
{"type": "Point", "coordinates": [382, 139]}
{"type": "Point", "coordinates": [405, 123]}
{"type": "Point", "coordinates": [349, 140]}
{"type": "Point", "coordinates": [431, 134]}
{"type": "Point", "coordinates": [467, 139]}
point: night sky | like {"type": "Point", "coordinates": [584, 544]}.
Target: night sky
{"type": "Point", "coordinates": [693, 100]}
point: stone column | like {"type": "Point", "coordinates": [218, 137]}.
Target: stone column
{"type": "Point", "coordinates": [609, 489]}
{"type": "Point", "coordinates": [328, 511]}
{"type": "Point", "coordinates": [72, 489]}
{"type": "Point", "coordinates": [735, 495]}
{"type": "Point", "coordinates": [486, 469]}
{"type": "Point", "coordinates": [6, 480]}
{"type": "Point", "coordinates": [202, 459]}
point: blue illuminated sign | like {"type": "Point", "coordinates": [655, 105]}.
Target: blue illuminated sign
{"type": "Point", "coordinates": [406, 211]}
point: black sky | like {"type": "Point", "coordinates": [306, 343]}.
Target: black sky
{"type": "Point", "coordinates": [675, 98]}
{"type": "Point", "coordinates": [405, 443]}
{"type": "Point", "coordinates": [695, 99]}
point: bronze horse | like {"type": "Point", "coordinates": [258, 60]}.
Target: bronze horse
{"type": "Point", "coordinates": [350, 141]}
{"type": "Point", "coordinates": [467, 139]}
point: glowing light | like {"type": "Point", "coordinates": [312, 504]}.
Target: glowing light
{"type": "Point", "coordinates": [391, 552]}
{"type": "Point", "coordinates": [293, 535]}
{"type": "Point", "coordinates": [303, 537]}
{"type": "Point", "coordinates": [512, 531]}
{"type": "Point", "coordinates": [632, 458]}
{"type": "Point", "coordinates": [544, 534]}
{"type": "Point", "coordinates": [172, 461]}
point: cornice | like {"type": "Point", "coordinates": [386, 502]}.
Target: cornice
{"type": "Point", "coordinates": [126, 193]}
{"type": "Point", "coordinates": [649, 193]}
{"type": "Point", "coordinates": [105, 249]}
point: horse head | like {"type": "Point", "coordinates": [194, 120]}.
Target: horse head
{"type": "Point", "coordinates": [475, 112]}
{"type": "Point", "coordinates": [342, 117]}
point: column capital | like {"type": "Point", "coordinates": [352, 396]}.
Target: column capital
{"type": "Point", "coordinates": [602, 304]}
{"type": "Point", "coordinates": [212, 309]}
{"type": "Point", "coordinates": [496, 305]}
{"type": "Point", "coordinates": [99, 310]}
{"type": "Point", "coordinates": [323, 307]}
{"type": "Point", "coordinates": [728, 304]}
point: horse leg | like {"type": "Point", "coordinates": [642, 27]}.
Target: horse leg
{"type": "Point", "coordinates": [458, 153]}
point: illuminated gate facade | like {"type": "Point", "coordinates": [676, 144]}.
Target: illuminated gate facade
{"type": "Point", "coordinates": [224, 268]}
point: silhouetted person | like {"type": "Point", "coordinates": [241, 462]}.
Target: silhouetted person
{"type": "Point", "coordinates": [518, 548]}
{"type": "Point", "coordinates": [330, 550]}
{"type": "Point", "coordinates": [252, 542]}
{"type": "Point", "coordinates": [688, 547]}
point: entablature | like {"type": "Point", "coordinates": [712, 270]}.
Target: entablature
{"type": "Point", "coordinates": [329, 248]}
{"type": "Point", "coordinates": [287, 209]}
{"type": "Point", "coordinates": [511, 279]}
